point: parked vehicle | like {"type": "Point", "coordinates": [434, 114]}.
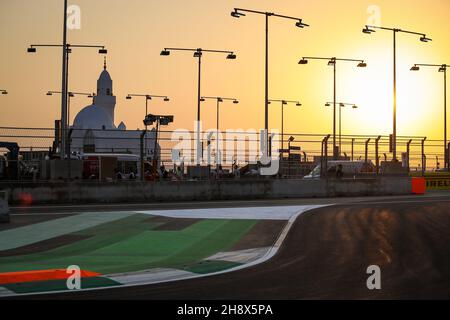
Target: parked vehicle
{"type": "Point", "coordinates": [349, 169]}
{"type": "Point", "coordinates": [9, 162]}
{"type": "Point", "coordinates": [105, 165]}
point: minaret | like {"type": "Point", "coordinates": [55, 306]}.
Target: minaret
{"type": "Point", "coordinates": [105, 97]}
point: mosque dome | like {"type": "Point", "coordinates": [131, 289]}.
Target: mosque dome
{"type": "Point", "coordinates": [93, 117]}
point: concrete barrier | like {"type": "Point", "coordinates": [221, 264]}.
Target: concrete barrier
{"type": "Point", "coordinates": [120, 192]}
{"type": "Point", "coordinates": [4, 208]}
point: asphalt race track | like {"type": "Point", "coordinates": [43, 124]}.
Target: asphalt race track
{"type": "Point", "coordinates": [326, 254]}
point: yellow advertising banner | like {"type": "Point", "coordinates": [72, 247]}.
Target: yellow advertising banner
{"type": "Point", "coordinates": [438, 181]}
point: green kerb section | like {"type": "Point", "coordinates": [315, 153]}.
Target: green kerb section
{"type": "Point", "coordinates": [58, 285]}
{"type": "Point", "coordinates": [132, 244]}
{"type": "Point", "coordinates": [18, 237]}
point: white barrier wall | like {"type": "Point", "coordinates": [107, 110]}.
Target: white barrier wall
{"type": "Point", "coordinates": [114, 192]}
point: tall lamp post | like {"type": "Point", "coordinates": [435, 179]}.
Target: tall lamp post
{"type": "Point", "coordinates": [160, 121]}
{"type": "Point", "coordinates": [283, 103]}
{"type": "Point", "coordinates": [341, 105]}
{"type": "Point", "coordinates": [70, 95]}
{"type": "Point", "coordinates": [67, 48]}
{"type": "Point", "coordinates": [147, 98]}
{"type": "Point", "coordinates": [443, 69]}
{"type": "Point", "coordinates": [333, 62]}
{"type": "Point", "coordinates": [219, 100]}
{"type": "Point", "coordinates": [237, 13]}
{"type": "Point", "coordinates": [369, 30]}
{"type": "Point", "coordinates": [198, 53]}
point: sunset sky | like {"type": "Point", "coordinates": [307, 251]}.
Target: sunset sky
{"type": "Point", "coordinates": [135, 31]}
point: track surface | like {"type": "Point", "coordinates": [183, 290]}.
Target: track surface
{"type": "Point", "coordinates": [326, 254]}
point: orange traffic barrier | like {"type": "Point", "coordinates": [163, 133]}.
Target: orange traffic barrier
{"type": "Point", "coordinates": [419, 185]}
{"type": "Point", "coordinates": [41, 275]}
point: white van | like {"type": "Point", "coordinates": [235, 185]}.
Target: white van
{"type": "Point", "coordinates": [349, 169]}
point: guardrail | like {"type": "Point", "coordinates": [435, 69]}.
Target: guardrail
{"type": "Point", "coordinates": [300, 152]}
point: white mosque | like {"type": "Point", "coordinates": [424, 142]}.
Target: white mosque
{"type": "Point", "coordinates": [94, 129]}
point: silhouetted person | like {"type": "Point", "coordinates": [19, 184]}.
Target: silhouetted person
{"type": "Point", "coordinates": [339, 172]}
{"type": "Point", "coordinates": [163, 174]}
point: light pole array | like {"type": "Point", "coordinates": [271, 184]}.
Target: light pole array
{"type": "Point", "coordinates": [147, 97]}
{"type": "Point", "coordinates": [67, 48]}
{"type": "Point", "coordinates": [443, 69]}
{"type": "Point", "coordinates": [237, 13]}
{"type": "Point", "coordinates": [198, 53]}
{"type": "Point", "coordinates": [284, 103]}
{"type": "Point", "coordinates": [160, 121]}
{"type": "Point", "coordinates": [333, 62]}
{"type": "Point", "coordinates": [341, 105]}
{"type": "Point", "coordinates": [369, 30]}
{"type": "Point", "coordinates": [219, 100]}
{"type": "Point", "coordinates": [70, 95]}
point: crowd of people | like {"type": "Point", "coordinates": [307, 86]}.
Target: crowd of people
{"type": "Point", "coordinates": [176, 174]}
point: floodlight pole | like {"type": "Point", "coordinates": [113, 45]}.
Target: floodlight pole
{"type": "Point", "coordinates": [283, 104]}
{"type": "Point", "coordinates": [218, 101]}
{"type": "Point", "coordinates": [423, 38]}
{"type": "Point", "coordinates": [333, 61]}
{"type": "Point", "coordinates": [442, 68]}
{"type": "Point", "coordinates": [147, 97]}
{"type": "Point", "coordinates": [266, 86]}
{"type": "Point", "coordinates": [65, 80]}
{"type": "Point", "coordinates": [199, 150]}
{"type": "Point", "coordinates": [341, 105]}
{"type": "Point", "coordinates": [157, 119]}
{"type": "Point", "coordinates": [64, 86]}
{"type": "Point", "coordinates": [335, 154]}
{"type": "Point", "coordinates": [198, 53]}
{"type": "Point", "coordinates": [238, 12]}
{"type": "Point", "coordinates": [70, 94]}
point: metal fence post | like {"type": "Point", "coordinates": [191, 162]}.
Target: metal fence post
{"type": "Point", "coordinates": [141, 144]}
{"type": "Point", "coordinates": [69, 143]}
{"type": "Point", "coordinates": [377, 158]}
{"type": "Point", "coordinates": [366, 153]}
{"type": "Point", "coordinates": [324, 166]}
{"type": "Point", "coordinates": [322, 157]}
{"type": "Point", "coordinates": [408, 149]}
{"type": "Point", "coordinates": [424, 157]}
{"type": "Point", "coordinates": [353, 145]}
{"type": "Point", "coordinates": [448, 155]}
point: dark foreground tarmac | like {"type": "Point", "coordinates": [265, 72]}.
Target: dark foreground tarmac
{"type": "Point", "coordinates": [326, 254]}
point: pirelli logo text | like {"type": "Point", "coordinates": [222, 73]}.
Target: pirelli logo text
{"type": "Point", "coordinates": [438, 183]}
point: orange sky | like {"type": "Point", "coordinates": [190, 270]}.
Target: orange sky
{"type": "Point", "coordinates": [135, 31]}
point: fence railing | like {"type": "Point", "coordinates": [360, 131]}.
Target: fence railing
{"type": "Point", "coordinates": [228, 153]}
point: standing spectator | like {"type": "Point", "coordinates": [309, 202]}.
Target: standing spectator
{"type": "Point", "coordinates": [236, 171]}
{"type": "Point", "coordinates": [339, 171]}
